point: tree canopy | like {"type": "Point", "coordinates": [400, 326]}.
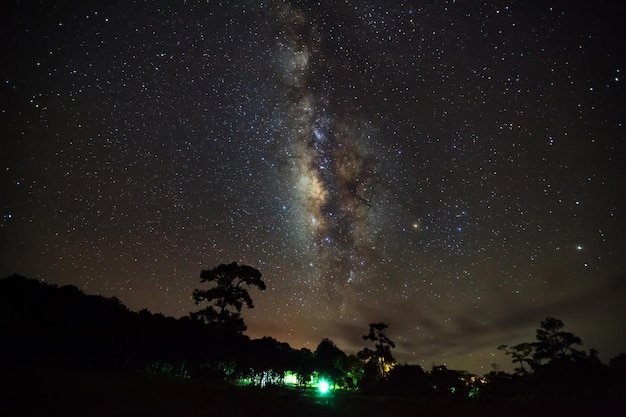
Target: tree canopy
{"type": "Point", "coordinates": [329, 360]}
{"type": "Point", "coordinates": [553, 345]}
{"type": "Point", "coordinates": [227, 296]}
{"type": "Point", "coordinates": [379, 361]}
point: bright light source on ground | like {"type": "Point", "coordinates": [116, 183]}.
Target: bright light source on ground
{"type": "Point", "coordinates": [323, 387]}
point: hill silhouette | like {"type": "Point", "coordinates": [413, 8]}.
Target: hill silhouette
{"type": "Point", "coordinates": [63, 327]}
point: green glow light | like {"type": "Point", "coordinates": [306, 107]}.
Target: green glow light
{"type": "Point", "coordinates": [290, 379]}
{"type": "Point", "coordinates": [323, 387]}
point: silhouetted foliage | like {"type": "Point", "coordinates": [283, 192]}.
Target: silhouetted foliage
{"type": "Point", "coordinates": [61, 328]}
{"type": "Point", "coordinates": [40, 322]}
{"type": "Point", "coordinates": [553, 366]}
{"type": "Point", "coordinates": [377, 362]}
{"type": "Point", "coordinates": [553, 344]}
{"type": "Point", "coordinates": [382, 342]}
{"type": "Point", "coordinates": [304, 365]}
{"type": "Point", "coordinates": [448, 382]}
{"type": "Point", "coordinates": [618, 363]}
{"type": "Point", "coordinates": [353, 371]}
{"type": "Point", "coordinates": [329, 360]}
{"type": "Point", "coordinates": [522, 354]}
{"type": "Point", "coordinates": [46, 325]}
{"type": "Point", "coordinates": [266, 361]}
{"type": "Point", "coordinates": [227, 296]}
{"type": "Point", "coordinates": [407, 381]}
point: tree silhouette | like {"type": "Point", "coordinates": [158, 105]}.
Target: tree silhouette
{"type": "Point", "coordinates": [618, 363]}
{"type": "Point", "coordinates": [554, 344]}
{"type": "Point", "coordinates": [227, 296]}
{"type": "Point", "coordinates": [330, 360]}
{"type": "Point", "coordinates": [382, 356]}
{"type": "Point", "coordinates": [523, 354]}
{"type": "Point", "coordinates": [553, 366]}
{"type": "Point", "coordinates": [382, 343]}
{"type": "Point", "coordinates": [304, 365]}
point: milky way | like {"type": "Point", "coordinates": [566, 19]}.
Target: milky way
{"type": "Point", "coordinates": [333, 167]}
{"type": "Point", "coordinates": [454, 169]}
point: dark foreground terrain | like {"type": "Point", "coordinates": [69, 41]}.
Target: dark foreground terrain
{"type": "Point", "coordinates": [53, 393]}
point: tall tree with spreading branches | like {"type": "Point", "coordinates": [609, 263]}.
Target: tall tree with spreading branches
{"type": "Point", "coordinates": [382, 356]}
{"type": "Point", "coordinates": [227, 295]}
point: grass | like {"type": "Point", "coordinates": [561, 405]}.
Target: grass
{"type": "Point", "coordinates": [52, 393]}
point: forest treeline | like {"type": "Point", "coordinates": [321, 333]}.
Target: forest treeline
{"type": "Point", "coordinates": [52, 327]}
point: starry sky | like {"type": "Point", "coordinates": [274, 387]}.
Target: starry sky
{"type": "Point", "coordinates": [455, 169]}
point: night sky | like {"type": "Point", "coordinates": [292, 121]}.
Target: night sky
{"type": "Point", "coordinates": [454, 169]}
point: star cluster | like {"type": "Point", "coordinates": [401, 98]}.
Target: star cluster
{"type": "Point", "coordinates": [454, 169]}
